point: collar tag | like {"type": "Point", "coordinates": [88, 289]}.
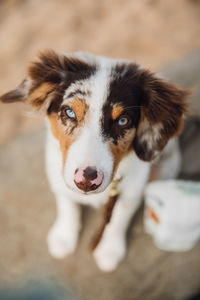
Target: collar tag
{"type": "Point", "coordinates": [114, 190]}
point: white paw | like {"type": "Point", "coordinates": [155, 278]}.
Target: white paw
{"type": "Point", "coordinates": [60, 242]}
{"type": "Point", "coordinates": [109, 253]}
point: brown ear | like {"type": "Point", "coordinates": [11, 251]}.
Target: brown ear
{"type": "Point", "coordinates": [52, 73]}
{"type": "Point", "coordinates": [161, 116]}
{"type": "Point", "coordinates": [19, 94]}
{"type": "Point", "coordinates": [43, 77]}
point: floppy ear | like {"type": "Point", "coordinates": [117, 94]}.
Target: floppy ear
{"type": "Point", "coordinates": [49, 76]}
{"type": "Point", "coordinates": [43, 76]}
{"type": "Point", "coordinates": [161, 116]}
{"type": "Point", "coordinates": [19, 94]}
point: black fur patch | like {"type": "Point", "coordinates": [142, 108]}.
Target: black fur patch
{"type": "Point", "coordinates": [124, 91]}
{"type": "Point", "coordinates": [145, 98]}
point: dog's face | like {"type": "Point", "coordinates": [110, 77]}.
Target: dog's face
{"type": "Point", "coordinates": [99, 110]}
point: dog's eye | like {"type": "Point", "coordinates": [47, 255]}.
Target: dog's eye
{"type": "Point", "coordinates": [70, 113]}
{"type": "Point", "coordinates": [124, 121]}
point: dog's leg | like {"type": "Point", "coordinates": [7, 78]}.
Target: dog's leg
{"type": "Point", "coordinates": [63, 236]}
{"type": "Point", "coordinates": [112, 247]}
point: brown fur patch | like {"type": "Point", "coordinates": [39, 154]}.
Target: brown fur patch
{"type": "Point", "coordinates": [39, 95]}
{"type": "Point", "coordinates": [59, 133]}
{"type": "Point", "coordinates": [122, 148]}
{"type": "Point", "coordinates": [116, 111]}
{"type": "Point", "coordinates": [79, 108]}
{"type": "Point", "coordinates": [56, 68]}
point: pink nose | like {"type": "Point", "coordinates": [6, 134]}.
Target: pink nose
{"type": "Point", "coordinates": [88, 179]}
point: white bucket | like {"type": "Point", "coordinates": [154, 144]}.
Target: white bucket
{"type": "Point", "coordinates": [172, 214]}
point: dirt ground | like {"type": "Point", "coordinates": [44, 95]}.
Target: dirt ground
{"type": "Point", "coordinates": [163, 35]}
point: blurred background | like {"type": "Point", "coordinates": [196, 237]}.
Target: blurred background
{"type": "Point", "coordinates": [162, 35]}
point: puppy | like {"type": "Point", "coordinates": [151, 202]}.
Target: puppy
{"type": "Point", "coordinates": [105, 119]}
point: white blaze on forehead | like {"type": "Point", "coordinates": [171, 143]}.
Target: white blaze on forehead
{"type": "Point", "coordinates": [97, 84]}
{"type": "Point", "coordinates": [80, 85]}
{"type": "Point", "coordinates": [99, 93]}
{"type": "Point", "coordinates": [89, 150]}
{"type": "Point", "coordinates": [96, 89]}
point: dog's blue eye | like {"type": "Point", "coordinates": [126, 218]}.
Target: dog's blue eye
{"type": "Point", "coordinates": [70, 113]}
{"type": "Point", "coordinates": [123, 121]}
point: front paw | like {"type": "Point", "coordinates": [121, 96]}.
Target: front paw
{"type": "Point", "coordinates": [109, 253]}
{"type": "Point", "coordinates": [60, 242]}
